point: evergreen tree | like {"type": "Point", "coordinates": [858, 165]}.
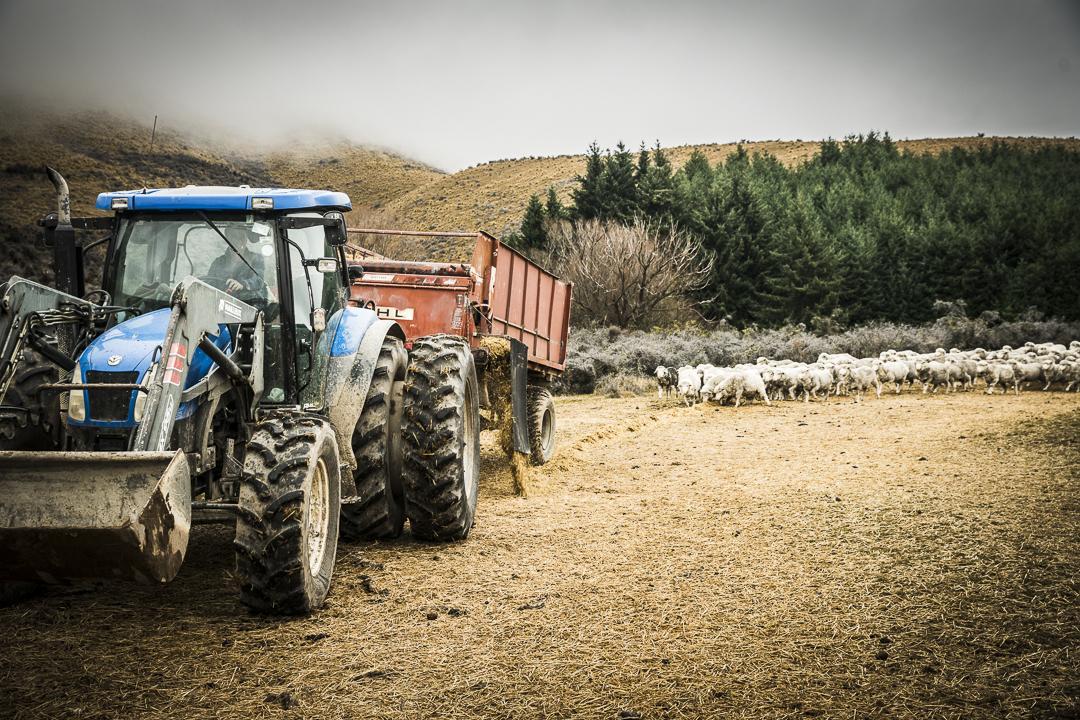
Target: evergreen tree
{"type": "Point", "coordinates": [619, 186]}
{"type": "Point", "coordinates": [533, 232]}
{"type": "Point", "coordinates": [859, 232]}
{"type": "Point", "coordinates": [642, 164]}
{"type": "Point", "coordinates": [588, 195]}
{"type": "Point", "coordinates": [656, 187]}
{"type": "Point", "coordinates": [554, 209]}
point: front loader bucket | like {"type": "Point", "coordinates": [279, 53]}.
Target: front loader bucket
{"type": "Point", "coordinates": [68, 515]}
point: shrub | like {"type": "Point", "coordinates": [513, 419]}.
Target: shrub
{"type": "Point", "coordinates": [596, 354]}
{"type": "Point", "coordinates": [622, 385]}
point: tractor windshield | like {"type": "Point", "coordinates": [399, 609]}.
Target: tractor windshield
{"type": "Point", "coordinates": [155, 252]}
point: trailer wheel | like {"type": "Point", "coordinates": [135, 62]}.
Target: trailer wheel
{"type": "Point", "coordinates": [378, 510]}
{"type": "Point", "coordinates": [43, 418]}
{"type": "Point", "coordinates": [541, 412]}
{"type": "Point", "coordinates": [289, 508]}
{"type": "Point", "coordinates": [441, 438]}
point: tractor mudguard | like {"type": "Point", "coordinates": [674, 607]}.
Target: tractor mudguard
{"type": "Point", "coordinates": [351, 347]}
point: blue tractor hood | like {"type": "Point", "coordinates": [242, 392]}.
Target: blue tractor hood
{"type": "Point", "coordinates": [131, 348]}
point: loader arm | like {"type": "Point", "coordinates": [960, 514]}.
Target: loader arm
{"type": "Point", "coordinates": [198, 310]}
{"type": "Point", "coordinates": [23, 305]}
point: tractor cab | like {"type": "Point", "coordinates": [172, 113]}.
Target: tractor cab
{"type": "Point", "coordinates": [279, 251]}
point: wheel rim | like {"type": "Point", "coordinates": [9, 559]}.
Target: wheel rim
{"type": "Point", "coordinates": [547, 429]}
{"type": "Point", "coordinates": [471, 451]}
{"type": "Point", "coordinates": [318, 523]}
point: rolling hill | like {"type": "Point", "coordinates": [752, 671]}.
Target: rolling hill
{"type": "Point", "coordinates": [96, 151]}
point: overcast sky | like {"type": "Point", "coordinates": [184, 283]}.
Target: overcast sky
{"type": "Point", "coordinates": [457, 83]}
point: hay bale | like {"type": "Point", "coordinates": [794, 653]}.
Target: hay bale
{"type": "Point", "coordinates": [497, 376]}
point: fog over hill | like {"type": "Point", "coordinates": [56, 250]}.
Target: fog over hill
{"type": "Point", "coordinates": [458, 83]}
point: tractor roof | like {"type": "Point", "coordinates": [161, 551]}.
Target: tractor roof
{"type": "Point", "coordinates": [201, 197]}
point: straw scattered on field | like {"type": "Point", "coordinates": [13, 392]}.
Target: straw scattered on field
{"type": "Point", "coordinates": [904, 557]}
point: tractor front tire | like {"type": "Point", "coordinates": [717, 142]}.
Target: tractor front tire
{"type": "Point", "coordinates": [289, 511]}
{"type": "Point", "coordinates": [42, 424]}
{"type": "Point", "coordinates": [441, 438]}
{"type": "Point", "coordinates": [378, 509]}
{"type": "Point", "coordinates": [541, 412]}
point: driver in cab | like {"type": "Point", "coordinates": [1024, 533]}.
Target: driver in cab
{"type": "Point", "coordinates": [241, 270]}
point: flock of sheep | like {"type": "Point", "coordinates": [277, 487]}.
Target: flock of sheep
{"type": "Point", "coordinates": [841, 374]}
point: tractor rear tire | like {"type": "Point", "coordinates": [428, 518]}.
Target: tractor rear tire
{"type": "Point", "coordinates": [378, 509]}
{"type": "Point", "coordinates": [441, 438]}
{"type": "Point", "coordinates": [43, 420]}
{"type": "Point", "coordinates": [289, 511]}
{"type": "Point", "coordinates": [541, 413]}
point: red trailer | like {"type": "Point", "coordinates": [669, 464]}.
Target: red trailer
{"type": "Point", "coordinates": [499, 294]}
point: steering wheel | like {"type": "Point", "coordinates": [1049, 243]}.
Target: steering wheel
{"type": "Point", "coordinates": [260, 298]}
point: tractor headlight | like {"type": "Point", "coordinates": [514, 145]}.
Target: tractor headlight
{"type": "Point", "coordinates": [76, 398]}
{"type": "Point", "coordinates": [140, 398]}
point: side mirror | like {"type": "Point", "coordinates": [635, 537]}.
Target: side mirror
{"type": "Point", "coordinates": [323, 265]}
{"type": "Point", "coordinates": [336, 234]}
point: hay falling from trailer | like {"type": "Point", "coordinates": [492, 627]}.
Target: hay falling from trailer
{"type": "Point", "coordinates": [500, 398]}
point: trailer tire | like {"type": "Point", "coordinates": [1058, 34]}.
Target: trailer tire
{"type": "Point", "coordinates": [541, 413]}
{"type": "Point", "coordinates": [43, 420]}
{"type": "Point", "coordinates": [288, 515]}
{"type": "Point", "coordinates": [378, 509]}
{"type": "Point", "coordinates": [441, 438]}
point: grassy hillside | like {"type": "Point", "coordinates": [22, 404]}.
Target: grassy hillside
{"type": "Point", "coordinates": [371, 177]}
{"type": "Point", "coordinates": [96, 151]}
{"type": "Point", "coordinates": [492, 196]}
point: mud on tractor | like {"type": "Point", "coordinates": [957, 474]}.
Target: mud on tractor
{"type": "Point", "coordinates": [221, 373]}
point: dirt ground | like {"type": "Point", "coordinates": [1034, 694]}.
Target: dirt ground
{"type": "Point", "coordinates": [905, 557]}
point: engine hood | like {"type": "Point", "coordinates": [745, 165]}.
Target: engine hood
{"type": "Point", "coordinates": [131, 347]}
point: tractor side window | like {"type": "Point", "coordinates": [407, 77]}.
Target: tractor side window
{"type": "Point", "coordinates": [325, 288]}
{"type": "Point", "coordinates": [324, 291]}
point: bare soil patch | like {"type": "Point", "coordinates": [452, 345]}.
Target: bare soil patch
{"type": "Point", "coordinates": [905, 557]}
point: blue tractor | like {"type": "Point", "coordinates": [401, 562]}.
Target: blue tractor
{"type": "Point", "coordinates": [220, 373]}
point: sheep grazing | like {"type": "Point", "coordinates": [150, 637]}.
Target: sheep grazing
{"type": "Point", "coordinates": [893, 372]}
{"type": "Point", "coordinates": [743, 382]}
{"type": "Point", "coordinates": [998, 373]}
{"type": "Point", "coordinates": [666, 378]}
{"type": "Point", "coordinates": [859, 379]}
{"type": "Point", "coordinates": [1029, 372]}
{"type": "Point", "coordinates": [936, 373]}
{"type": "Point", "coordinates": [1052, 365]}
{"type": "Point", "coordinates": [688, 385]}
{"type": "Point", "coordinates": [815, 380]}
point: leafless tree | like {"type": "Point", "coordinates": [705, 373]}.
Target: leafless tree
{"type": "Point", "coordinates": [626, 275]}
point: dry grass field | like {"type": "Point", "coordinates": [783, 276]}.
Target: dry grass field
{"type": "Point", "coordinates": [907, 557]}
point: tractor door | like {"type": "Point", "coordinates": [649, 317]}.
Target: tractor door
{"type": "Point", "coordinates": [317, 282]}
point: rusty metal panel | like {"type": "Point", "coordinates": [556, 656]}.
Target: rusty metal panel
{"type": "Point", "coordinates": [525, 301]}
{"type": "Point", "coordinates": [530, 304]}
{"type": "Point", "coordinates": [419, 309]}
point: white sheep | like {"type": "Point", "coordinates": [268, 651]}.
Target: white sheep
{"type": "Point", "coordinates": [688, 385]}
{"type": "Point", "coordinates": [736, 385]}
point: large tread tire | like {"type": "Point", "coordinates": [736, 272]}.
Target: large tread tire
{"type": "Point", "coordinates": [541, 413]}
{"type": "Point", "coordinates": [441, 438]}
{"type": "Point", "coordinates": [43, 424]}
{"type": "Point", "coordinates": [285, 511]}
{"type": "Point", "coordinates": [378, 509]}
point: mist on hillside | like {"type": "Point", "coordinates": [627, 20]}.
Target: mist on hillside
{"type": "Point", "coordinates": [454, 84]}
